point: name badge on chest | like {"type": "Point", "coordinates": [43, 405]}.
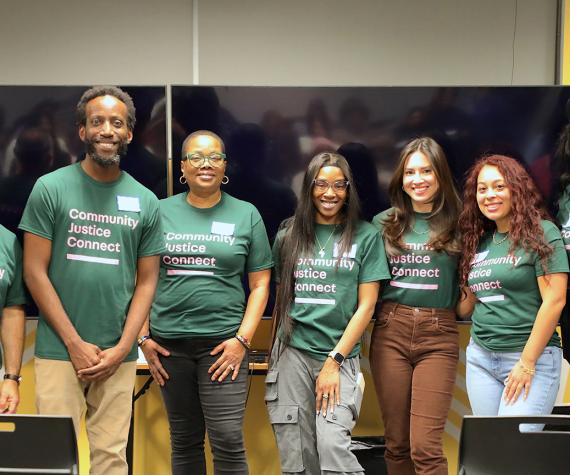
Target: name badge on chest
{"type": "Point", "coordinates": [128, 203]}
{"type": "Point", "coordinates": [351, 254]}
{"type": "Point", "coordinates": [223, 229]}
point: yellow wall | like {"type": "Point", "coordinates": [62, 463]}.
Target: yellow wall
{"type": "Point", "coordinates": [565, 45]}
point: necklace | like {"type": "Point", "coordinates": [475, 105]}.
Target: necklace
{"type": "Point", "coordinates": [502, 240]}
{"type": "Point", "coordinates": [322, 248]}
{"type": "Point", "coordinates": [418, 232]}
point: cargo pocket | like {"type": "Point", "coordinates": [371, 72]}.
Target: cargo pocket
{"type": "Point", "coordinates": [271, 385]}
{"type": "Point", "coordinates": [285, 422]}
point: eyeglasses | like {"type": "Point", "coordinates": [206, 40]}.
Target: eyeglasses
{"type": "Point", "coordinates": [196, 159]}
{"type": "Point", "coordinates": [324, 185]}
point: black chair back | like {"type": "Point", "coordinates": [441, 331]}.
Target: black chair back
{"type": "Point", "coordinates": [38, 445]}
{"type": "Point", "coordinates": [496, 446]}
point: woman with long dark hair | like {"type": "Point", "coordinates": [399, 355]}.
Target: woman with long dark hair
{"type": "Point", "coordinates": [514, 273]}
{"type": "Point", "coordinates": [414, 348]}
{"type": "Point", "coordinates": [328, 264]}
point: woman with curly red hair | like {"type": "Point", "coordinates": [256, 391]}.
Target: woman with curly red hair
{"type": "Point", "coordinates": [514, 274]}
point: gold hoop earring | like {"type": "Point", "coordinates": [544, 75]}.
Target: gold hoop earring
{"type": "Point", "coordinates": [182, 180]}
{"type": "Point", "coordinates": [225, 180]}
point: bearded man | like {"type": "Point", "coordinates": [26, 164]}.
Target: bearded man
{"type": "Point", "coordinates": [91, 245]}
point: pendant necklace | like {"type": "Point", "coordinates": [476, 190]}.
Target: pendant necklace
{"type": "Point", "coordinates": [502, 240]}
{"type": "Point", "coordinates": [322, 248]}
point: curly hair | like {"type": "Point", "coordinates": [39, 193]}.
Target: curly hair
{"type": "Point", "coordinates": [446, 206]}
{"type": "Point", "coordinates": [98, 91]}
{"type": "Point", "coordinates": [527, 211]}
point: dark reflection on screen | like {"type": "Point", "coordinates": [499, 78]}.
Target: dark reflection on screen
{"type": "Point", "coordinates": [38, 135]}
{"type": "Point", "coordinates": [271, 133]}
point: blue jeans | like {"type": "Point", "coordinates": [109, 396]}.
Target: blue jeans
{"type": "Point", "coordinates": [486, 373]}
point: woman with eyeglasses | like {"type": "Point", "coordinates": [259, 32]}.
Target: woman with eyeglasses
{"type": "Point", "coordinates": [328, 268]}
{"type": "Point", "coordinates": [414, 348]}
{"type": "Point", "coordinates": [201, 325]}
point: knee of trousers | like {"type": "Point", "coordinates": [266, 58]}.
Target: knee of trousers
{"type": "Point", "coordinates": [424, 451]}
{"type": "Point", "coordinates": [333, 441]}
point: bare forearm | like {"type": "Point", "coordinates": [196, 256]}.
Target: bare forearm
{"type": "Point", "coordinates": [137, 315]}
{"type": "Point", "coordinates": [50, 305]}
{"type": "Point", "coordinates": [13, 334]}
{"type": "Point", "coordinates": [354, 329]}
{"type": "Point", "coordinates": [256, 304]}
{"type": "Point", "coordinates": [542, 330]}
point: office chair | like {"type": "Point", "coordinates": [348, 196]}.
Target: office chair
{"type": "Point", "coordinates": [495, 446]}
{"type": "Point", "coordinates": [38, 445]}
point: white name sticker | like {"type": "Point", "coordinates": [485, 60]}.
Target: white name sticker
{"type": "Point", "coordinates": [128, 203]}
{"type": "Point", "coordinates": [567, 225]}
{"type": "Point", "coordinates": [224, 229]}
{"type": "Point", "coordinates": [480, 256]}
{"type": "Point", "coordinates": [347, 255]}
{"type": "Point", "coordinates": [2, 271]}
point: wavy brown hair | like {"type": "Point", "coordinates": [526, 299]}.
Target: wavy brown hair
{"type": "Point", "coordinates": [527, 212]}
{"type": "Point", "coordinates": [442, 219]}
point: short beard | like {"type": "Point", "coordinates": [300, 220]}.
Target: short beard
{"type": "Point", "coordinates": [106, 162]}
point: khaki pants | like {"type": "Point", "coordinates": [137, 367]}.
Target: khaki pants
{"type": "Point", "coordinates": [107, 406]}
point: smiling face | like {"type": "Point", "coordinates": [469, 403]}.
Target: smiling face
{"type": "Point", "coordinates": [105, 132]}
{"type": "Point", "coordinates": [206, 178]}
{"type": "Point", "coordinates": [419, 182]}
{"type": "Point", "coordinates": [328, 198]}
{"type": "Point", "coordinates": [494, 197]}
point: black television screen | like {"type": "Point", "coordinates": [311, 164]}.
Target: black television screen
{"type": "Point", "coordinates": [272, 132]}
{"type": "Point", "coordinates": [38, 134]}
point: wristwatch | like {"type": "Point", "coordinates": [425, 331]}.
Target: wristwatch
{"type": "Point", "coordinates": [13, 377]}
{"type": "Point", "coordinates": [337, 357]}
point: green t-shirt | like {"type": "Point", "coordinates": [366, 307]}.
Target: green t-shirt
{"type": "Point", "coordinates": [208, 252]}
{"type": "Point", "coordinates": [326, 288]}
{"type": "Point", "coordinates": [11, 284]}
{"type": "Point", "coordinates": [420, 276]}
{"type": "Point", "coordinates": [563, 218]}
{"type": "Point", "coordinates": [508, 297]}
{"type": "Point", "coordinates": [98, 232]}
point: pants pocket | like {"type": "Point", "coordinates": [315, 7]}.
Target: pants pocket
{"type": "Point", "coordinates": [285, 422]}
{"type": "Point", "coordinates": [271, 385]}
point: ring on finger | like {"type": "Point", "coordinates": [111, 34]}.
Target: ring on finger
{"type": "Point", "coordinates": [325, 396]}
{"type": "Point", "coordinates": [231, 367]}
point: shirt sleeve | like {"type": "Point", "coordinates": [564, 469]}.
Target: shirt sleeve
{"type": "Point", "coordinates": [39, 213]}
{"type": "Point", "coordinates": [16, 294]}
{"type": "Point", "coordinates": [558, 261]}
{"type": "Point", "coordinates": [373, 265]}
{"type": "Point", "coordinates": [152, 240]}
{"type": "Point", "coordinates": [259, 256]}
{"type": "Point", "coordinates": [276, 257]}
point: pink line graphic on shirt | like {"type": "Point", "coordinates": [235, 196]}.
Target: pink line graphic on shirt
{"type": "Point", "coordinates": [97, 260]}
{"type": "Point", "coordinates": [408, 285]}
{"type": "Point", "coordinates": [188, 272]}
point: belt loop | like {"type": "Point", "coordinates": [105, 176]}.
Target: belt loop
{"type": "Point", "coordinates": [433, 312]}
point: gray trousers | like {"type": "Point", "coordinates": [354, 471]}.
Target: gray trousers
{"type": "Point", "coordinates": [311, 444]}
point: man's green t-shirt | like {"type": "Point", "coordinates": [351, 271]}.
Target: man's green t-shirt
{"type": "Point", "coordinates": [326, 286]}
{"type": "Point", "coordinates": [98, 231]}
{"type": "Point", "coordinates": [208, 253]}
{"type": "Point", "coordinates": [508, 296]}
{"type": "Point", "coordinates": [420, 276]}
{"type": "Point", "coordinates": [11, 284]}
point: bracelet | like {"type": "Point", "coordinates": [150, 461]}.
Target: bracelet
{"type": "Point", "coordinates": [526, 369]}
{"type": "Point", "coordinates": [13, 377]}
{"type": "Point", "coordinates": [244, 341]}
{"type": "Point", "coordinates": [142, 339]}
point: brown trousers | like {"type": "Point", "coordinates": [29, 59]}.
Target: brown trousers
{"type": "Point", "coordinates": [413, 356]}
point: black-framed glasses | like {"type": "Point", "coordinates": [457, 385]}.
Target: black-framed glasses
{"type": "Point", "coordinates": [198, 160]}
{"type": "Point", "coordinates": [324, 185]}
